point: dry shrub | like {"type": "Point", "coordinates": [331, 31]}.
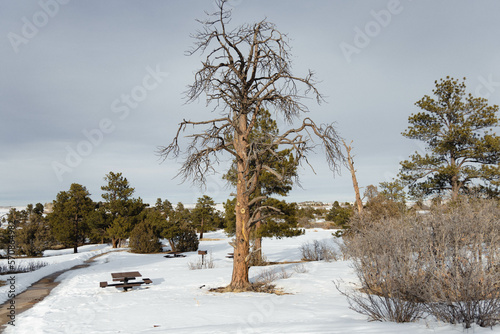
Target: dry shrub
{"type": "Point", "coordinates": [207, 263]}
{"type": "Point", "coordinates": [300, 268]}
{"type": "Point", "coordinates": [23, 267]}
{"type": "Point", "coordinates": [444, 262]}
{"type": "Point", "coordinates": [318, 251]}
{"type": "Point", "coordinates": [267, 276]}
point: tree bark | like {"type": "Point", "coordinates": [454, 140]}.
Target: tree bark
{"type": "Point", "coordinates": [454, 180]}
{"type": "Point", "coordinates": [240, 280]}
{"type": "Point", "coordinates": [201, 229]}
{"type": "Point", "coordinates": [258, 241]}
{"type": "Point", "coordinates": [350, 163]}
{"type": "Point", "coordinates": [75, 244]}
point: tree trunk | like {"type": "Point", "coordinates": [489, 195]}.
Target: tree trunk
{"type": "Point", "coordinates": [454, 181]}
{"type": "Point", "coordinates": [239, 280]}
{"type": "Point", "coordinates": [257, 242]}
{"type": "Point", "coordinates": [75, 244]}
{"type": "Point", "coordinates": [172, 245]}
{"type": "Point", "coordinates": [201, 229]}
{"type": "Point", "coordinates": [350, 162]}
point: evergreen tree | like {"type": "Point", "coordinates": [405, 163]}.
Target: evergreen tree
{"type": "Point", "coordinates": [31, 233]}
{"type": "Point", "coordinates": [230, 217]}
{"type": "Point", "coordinates": [340, 215]}
{"type": "Point", "coordinates": [177, 228]}
{"type": "Point", "coordinates": [144, 238]}
{"type": "Point", "coordinates": [394, 190]}
{"type": "Point", "coordinates": [379, 206]}
{"type": "Point", "coordinates": [122, 209]}
{"type": "Point", "coordinates": [67, 220]}
{"type": "Point", "coordinates": [98, 222]}
{"type": "Point", "coordinates": [204, 216]}
{"type": "Point", "coordinates": [33, 237]}
{"type": "Point", "coordinates": [270, 183]}
{"type": "Point", "coordinates": [461, 144]}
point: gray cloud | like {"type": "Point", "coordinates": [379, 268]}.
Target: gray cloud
{"type": "Point", "coordinates": [63, 82]}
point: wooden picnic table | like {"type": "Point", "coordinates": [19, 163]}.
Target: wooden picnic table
{"type": "Point", "coordinates": [125, 278]}
{"type": "Point", "coordinates": [174, 254]}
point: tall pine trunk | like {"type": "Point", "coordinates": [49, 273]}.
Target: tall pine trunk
{"type": "Point", "coordinates": [240, 280]}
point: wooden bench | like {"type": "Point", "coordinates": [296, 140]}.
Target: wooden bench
{"type": "Point", "coordinates": [125, 278]}
{"type": "Point", "coordinates": [230, 255]}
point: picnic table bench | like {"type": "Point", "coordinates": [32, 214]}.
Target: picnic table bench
{"type": "Point", "coordinates": [230, 255]}
{"type": "Point", "coordinates": [125, 279]}
{"type": "Point", "coordinates": [175, 254]}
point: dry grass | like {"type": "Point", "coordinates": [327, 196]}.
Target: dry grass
{"type": "Point", "coordinates": [208, 263]}
{"type": "Point", "coordinates": [263, 283]}
{"type": "Point", "coordinates": [254, 287]}
{"type": "Point", "coordinates": [24, 267]}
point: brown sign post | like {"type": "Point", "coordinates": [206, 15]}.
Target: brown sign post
{"type": "Point", "coordinates": [202, 253]}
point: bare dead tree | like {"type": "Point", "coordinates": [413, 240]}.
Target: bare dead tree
{"type": "Point", "coordinates": [247, 69]}
{"type": "Point", "coordinates": [350, 165]}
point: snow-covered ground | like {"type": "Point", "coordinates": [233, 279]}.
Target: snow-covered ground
{"type": "Point", "coordinates": [55, 260]}
{"type": "Point", "coordinates": [179, 300]}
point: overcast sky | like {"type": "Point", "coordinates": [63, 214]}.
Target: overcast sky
{"type": "Point", "coordinates": [89, 87]}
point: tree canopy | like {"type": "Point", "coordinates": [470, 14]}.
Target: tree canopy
{"type": "Point", "coordinates": [246, 70]}
{"type": "Point", "coordinates": [461, 145]}
{"type": "Point", "coordinates": [67, 220]}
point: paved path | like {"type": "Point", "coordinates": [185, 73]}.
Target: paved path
{"type": "Point", "coordinates": [37, 292]}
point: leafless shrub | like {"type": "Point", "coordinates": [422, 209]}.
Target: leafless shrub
{"type": "Point", "coordinates": [283, 274]}
{"type": "Point", "coordinates": [317, 251]}
{"type": "Point", "coordinates": [269, 275]}
{"type": "Point", "coordinates": [300, 268]}
{"type": "Point", "coordinates": [445, 261]}
{"type": "Point", "coordinates": [383, 306]}
{"type": "Point", "coordinates": [202, 263]}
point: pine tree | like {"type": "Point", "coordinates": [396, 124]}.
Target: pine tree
{"type": "Point", "coordinates": [123, 210]}
{"type": "Point", "coordinates": [461, 145]}
{"type": "Point", "coordinates": [67, 220]}
{"type": "Point", "coordinates": [340, 215]}
{"type": "Point", "coordinates": [204, 216]}
{"type": "Point", "coordinates": [263, 212]}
